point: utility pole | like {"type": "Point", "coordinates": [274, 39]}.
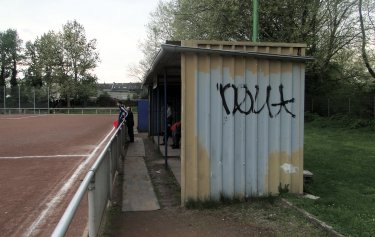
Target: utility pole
{"type": "Point", "coordinates": [255, 35]}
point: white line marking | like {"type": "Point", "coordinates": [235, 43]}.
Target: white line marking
{"type": "Point", "coordinates": [52, 204]}
{"type": "Point", "coordinates": [26, 117]}
{"type": "Point", "coordinates": [47, 156]}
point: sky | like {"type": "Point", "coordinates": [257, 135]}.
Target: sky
{"type": "Point", "coordinates": [117, 25]}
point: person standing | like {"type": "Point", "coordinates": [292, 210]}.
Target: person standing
{"type": "Point", "coordinates": [130, 123]}
{"type": "Point", "coordinates": [169, 124]}
{"type": "Point", "coordinates": [122, 113]}
{"type": "Point", "coordinates": [176, 135]}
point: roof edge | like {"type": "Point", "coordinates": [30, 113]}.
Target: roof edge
{"type": "Point", "coordinates": [174, 49]}
{"type": "Point", "coordinates": [192, 43]}
{"type": "Point", "coordinates": [184, 49]}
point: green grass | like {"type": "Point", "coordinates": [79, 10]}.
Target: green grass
{"type": "Point", "coordinates": [343, 163]}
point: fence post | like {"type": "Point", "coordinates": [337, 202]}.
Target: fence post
{"type": "Point", "coordinates": [4, 100]}
{"type": "Point", "coordinates": [48, 99]}
{"type": "Point", "coordinates": [91, 198]}
{"type": "Point", "coordinates": [110, 155]}
{"type": "Point", "coordinates": [19, 98]}
{"type": "Point", "coordinates": [34, 100]}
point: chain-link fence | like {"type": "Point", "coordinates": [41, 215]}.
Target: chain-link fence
{"type": "Point", "coordinates": [29, 100]}
{"type": "Point", "coordinates": [24, 97]}
{"type": "Point", "coordinates": [356, 107]}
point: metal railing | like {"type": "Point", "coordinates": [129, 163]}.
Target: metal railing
{"type": "Point", "coordinates": [98, 182]}
{"type": "Point", "coordinates": [98, 110]}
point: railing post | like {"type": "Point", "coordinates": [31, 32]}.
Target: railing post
{"type": "Point", "coordinates": [110, 173]}
{"type": "Point", "coordinates": [116, 158]}
{"type": "Point", "coordinates": [91, 198]}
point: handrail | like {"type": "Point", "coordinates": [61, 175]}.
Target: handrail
{"type": "Point", "coordinates": [65, 221]}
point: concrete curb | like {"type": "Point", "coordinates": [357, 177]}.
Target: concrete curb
{"type": "Point", "coordinates": [315, 221]}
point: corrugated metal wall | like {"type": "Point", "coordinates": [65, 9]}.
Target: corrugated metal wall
{"type": "Point", "coordinates": [242, 122]}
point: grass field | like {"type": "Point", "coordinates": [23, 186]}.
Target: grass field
{"type": "Point", "coordinates": [343, 163]}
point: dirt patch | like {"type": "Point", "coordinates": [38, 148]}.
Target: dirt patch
{"type": "Point", "coordinates": [258, 217]}
{"type": "Point", "coordinates": [38, 155]}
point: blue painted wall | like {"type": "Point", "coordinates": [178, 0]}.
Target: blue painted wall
{"type": "Point", "coordinates": [143, 115]}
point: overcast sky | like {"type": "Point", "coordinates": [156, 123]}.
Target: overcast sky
{"type": "Point", "coordinates": [118, 26]}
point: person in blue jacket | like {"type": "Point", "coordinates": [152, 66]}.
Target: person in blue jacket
{"type": "Point", "coordinates": [122, 113]}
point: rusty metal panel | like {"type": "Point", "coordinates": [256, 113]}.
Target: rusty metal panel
{"type": "Point", "coordinates": [242, 121]}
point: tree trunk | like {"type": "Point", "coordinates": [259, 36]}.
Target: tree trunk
{"type": "Point", "coordinates": [364, 53]}
{"type": "Point", "coordinates": [2, 76]}
{"type": "Point", "coordinates": [13, 80]}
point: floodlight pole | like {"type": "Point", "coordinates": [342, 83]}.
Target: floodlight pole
{"type": "Point", "coordinates": [255, 35]}
{"type": "Point", "coordinates": [34, 100]}
{"type": "Point", "coordinates": [48, 99]}
{"type": "Point", "coordinates": [19, 98]}
{"type": "Point", "coordinates": [4, 99]}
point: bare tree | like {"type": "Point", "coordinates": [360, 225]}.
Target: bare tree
{"type": "Point", "coordinates": [364, 41]}
{"type": "Point", "coordinates": [135, 71]}
{"type": "Point", "coordinates": [159, 29]}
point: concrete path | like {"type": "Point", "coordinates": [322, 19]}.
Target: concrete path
{"type": "Point", "coordinates": [138, 192]}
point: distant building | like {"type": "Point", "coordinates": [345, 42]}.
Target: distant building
{"type": "Point", "coordinates": [121, 91]}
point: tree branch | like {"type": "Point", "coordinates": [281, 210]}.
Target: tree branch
{"type": "Point", "coordinates": [364, 53]}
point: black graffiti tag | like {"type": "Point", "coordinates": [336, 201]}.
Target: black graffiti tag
{"type": "Point", "coordinates": [284, 102]}
{"type": "Point", "coordinates": [238, 104]}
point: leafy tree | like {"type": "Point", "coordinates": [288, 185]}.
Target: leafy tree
{"type": "Point", "coordinates": [212, 19]}
{"type": "Point", "coordinates": [105, 100]}
{"type": "Point", "coordinates": [329, 28]}
{"type": "Point", "coordinates": [43, 60]}
{"type": "Point", "coordinates": [10, 55]}
{"type": "Point", "coordinates": [86, 88]}
{"type": "Point", "coordinates": [33, 74]}
{"type": "Point", "coordinates": [79, 57]}
{"type": "Point", "coordinates": [65, 59]}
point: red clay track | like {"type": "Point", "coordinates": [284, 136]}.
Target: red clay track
{"type": "Point", "coordinates": [38, 154]}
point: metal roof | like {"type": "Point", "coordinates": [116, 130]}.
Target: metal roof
{"type": "Point", "coordinates": [169, 58]}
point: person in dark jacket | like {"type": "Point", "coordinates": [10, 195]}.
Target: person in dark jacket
{"type": "Point", "coordinates": [130, 124]}
{"type": "Point", "coordinates": [122, 113]}
{"type": "Point", "coordinates": [169, 123]}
